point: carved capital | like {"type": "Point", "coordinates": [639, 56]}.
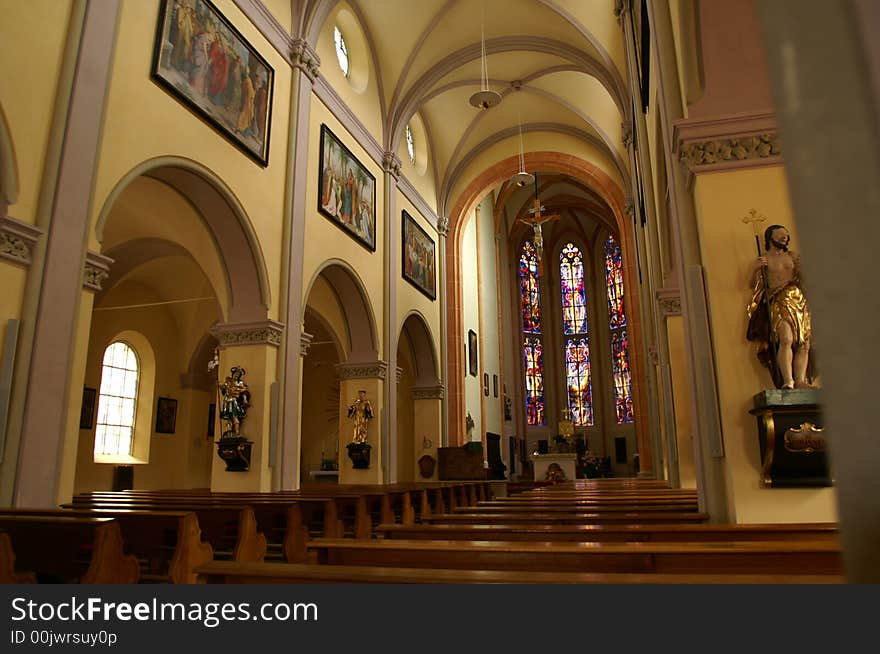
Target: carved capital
{"type": "Point", "coordinates": [17, 240]}
{"type": "Point", "coordinates": [433, 392]}
{"type": "Point", "coordinates": [629, 208]}
{"type": "Point", "coordinates": [391, 163]}
{"type": "Point", "coordinates": [698, 155]}
{"type": "Point", "coordinates": [264, 332]}
{"type": "Point", "coordinates": [620, 7]}
{"type": "Point", "coordinates": [96, 270]}
{"type": "Point", "coordinates": [442, 226]}
{"type": "Point", "coordinates": [669, 302]}
{"type": "Point", "coordinates": [304, 57]}
{"type": "Point", "coordinates": [626, 134]}
{"type": "Point", "coordinates": [363, 370]}
{"type": "Point", "coordinates": [305, 342]}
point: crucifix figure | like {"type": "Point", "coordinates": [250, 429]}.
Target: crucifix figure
{"type": "Point", "coordinates": [536, 219]}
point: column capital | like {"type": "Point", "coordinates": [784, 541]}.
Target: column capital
{"type": "Point", "coordinates": [430, 392]}
{"type": "Point", "coordinates": [17, 239]}
{"type": "Point", "coordinates": [391, 163]}
{"type": "Point", "coordinates": [363, 370]}
{"type": "Point", "coordinates": [305, 342]}
{"type": "Point", "coordinates": [669, 301]}
{"type": "Point", "coordinates": [95, 270]}
{"type": "Point", "coordinates": [263, 332]}
{"type": "Point", "coordinates": [304, 57]}
{"type": "Point", "coordinates": [442, 225]}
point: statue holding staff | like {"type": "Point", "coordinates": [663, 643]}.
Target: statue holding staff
{"type": "Point", "coordinates": [779, 317]}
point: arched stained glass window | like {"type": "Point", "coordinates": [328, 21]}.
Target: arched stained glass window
{"type": "Point", "coordinates": [341, 51]}
{"type": "Point", "coordinates": [410, 144]}
{"type": "Point", "coordinates": [531, 292]}
{"type": "Point", "coordinates": [577, 344]}
{"type": "Point", "coordinates": [533, 349]}
{"type": "Point", "coordinates": [117, 402]}
{"type": "Point", "coordinates": [619, 339]}
{"type": "Point", "coordinates": [533, 353]}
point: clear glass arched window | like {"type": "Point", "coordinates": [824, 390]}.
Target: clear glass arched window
{"type": "Point", "coordinates": [575, 336]}
{"type": "Point", "coordinates": [410, 144]}
{"type": "Point", "coordinates": [117, 402]}
{"type": "Point", "coordinates": [341, 51]}
{"type": "Point", "coordinates": [619, 338]}
{"type": "Point", "coordinates": [533, 349]}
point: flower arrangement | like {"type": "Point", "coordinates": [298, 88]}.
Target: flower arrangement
{"type": "Point", "coordinates": [591, 465]}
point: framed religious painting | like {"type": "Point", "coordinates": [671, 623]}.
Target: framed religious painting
{"type": "Point", "coordinates": [346, 191]}
{"type": "Point", "coordinates": [87, 408]}
{"type": "Point", "coordinates": [166, 415]}
{"type": "Point", "coordinates": [418, 257]}
{"type": "Point", "coordinates": [472, 352]}
{"type": "Point", "coordinates": [203, 61]}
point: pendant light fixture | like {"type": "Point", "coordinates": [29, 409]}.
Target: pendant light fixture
{"type": "Point", "coordinates": [522, 178]}
{"type": "Point", "coordinates": [485, 98]}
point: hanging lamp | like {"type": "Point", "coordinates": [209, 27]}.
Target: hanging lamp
{"type": "Point", "coordinates": [485, 98]}
{"type": "Point", "coordinates": [522, 178]}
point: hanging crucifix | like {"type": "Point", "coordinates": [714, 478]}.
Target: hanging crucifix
{"type": "Point", "coordinates": [536, 219]}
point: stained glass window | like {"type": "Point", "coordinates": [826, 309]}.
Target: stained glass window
{"type": "Point", "coordinates": [533, 354]}
{"type": "Point", "coordinates": [622, 379]}
{"type": "Point", "coordinates": [117, 400]}
{"type": "Point", "coordinates": [530, 290]}
{"type": "Point", "coordinates": [341, 51]}
{"type": "Point", "coordinates": [410, 144]}
{"type": "Point", "coordinates": [580, 393]}
{"type": "Point", "coordinates": [619, 340]}
{"type": "Point", "coordinates": [574, 302]}
{"type": "Point", "coordinates": [574, 323]}
{"type": "Point", "coordinates": [614, 283]}
{"type": "Point", "coordinates": [533, 350]}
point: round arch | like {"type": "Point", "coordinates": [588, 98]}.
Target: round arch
{"type": "Point", "coordinates": [424, 351]}
{"type": "Point", "coordinates": [362, 334]}
{"type": "Point", "coordinates": [552, 162]}
{"type": "Point", "coordinates": [233, 234]}
{"type": "Point", "coordinates": [8, 165]}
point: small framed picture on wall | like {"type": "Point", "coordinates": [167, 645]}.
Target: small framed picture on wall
{"type": "Point", "coordinates": [486, 384]}
{"type": "Point", "coordinates": [472, 352]}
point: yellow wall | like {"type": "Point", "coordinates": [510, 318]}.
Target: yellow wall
{"type": "Point", "coordinates": [280, 9]}
{"type": "Point", "coordinates": [324, 239]}
{"type": "Point", "coordinates": [728, 248]}
{"type": "Point", "coordinates": [33, 35]}
{"type": "Point", "coordinates": [407, 428]}
{"type": "Point", "coordinates": [143, 121]}
{"type": "Point", "coordinates": [12, 280]}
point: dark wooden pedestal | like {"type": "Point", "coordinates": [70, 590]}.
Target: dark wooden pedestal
{"type": "Point", "coordinates": [792, 438]}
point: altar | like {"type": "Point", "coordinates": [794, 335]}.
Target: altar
{"type": "Point", "coordinates": [566, 461]}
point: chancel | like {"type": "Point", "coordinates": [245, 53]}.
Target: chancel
{"type": "Point", "coordinates": [531, 316]}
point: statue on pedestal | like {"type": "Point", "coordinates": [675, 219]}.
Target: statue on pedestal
{"type": "Point", "coordinates": [361, 412]}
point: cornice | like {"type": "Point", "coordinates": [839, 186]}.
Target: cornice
{"type": "Point", "coordinates": [268, 26]}
{"type": "Point", "coordinates": [410, 193]}
{"type": "Point", "coordinates": [328, 95]}
{"type": "Point", "coordinates": [95, 270]}
{"type": "Point", "coordinates": [363, 370]}
{"type": "Point", "coordinates": [17, 240]}
{"type": "Point", "coordinates": [263, 332]}
{"type": "Point", "coordinates": [727, 142]}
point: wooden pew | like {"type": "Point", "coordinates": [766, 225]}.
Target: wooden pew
{"type": "Point", "coordinates": [228, 572]}
{"type": "Point", "coordinates": [582, 507]}
{"type": "Point", "coordinates": [8, 575]}
{"type": "Point", "coordinates": [797, 558]}
{"type": "Point", "coordinates": [786, 532]}
{"type": "Point", "coordinates": [167, 544]}
{"type": "Point", "coordinates": [70, 549]}
{"type": "Point", "coordinates": [568, 518]}
{"type": "Point", "coordinates": [230, 528]}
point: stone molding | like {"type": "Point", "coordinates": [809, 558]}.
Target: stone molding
{"type": "Point", "coordinates": [305, 343]}
{"type": "Point", "coordinates": [363, 370]}
{"type": "Point", "coordinates": [727, 142]}
{"type": "Point", "coordinates": [669, 301]}
{"type": "Point", "coordinates": [96, 270]}
{"type": "Point", "coordinates": [17, 240]}
{"type": "Point", "coordinates": [433, 392]}
{"type": "Point", "coordinates": [264, 332]}
{"type": "Point", "coordinates": [304, 57]}
{"type": "Point", "coordinates": [391, 163]}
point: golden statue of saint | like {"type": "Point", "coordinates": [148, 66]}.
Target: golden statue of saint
{"type": "Point", "coordinates": [779, 318]}
{"type": "Point", "coordinates": [361, 412]}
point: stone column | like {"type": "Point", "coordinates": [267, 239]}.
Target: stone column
{"type": "Point", "coordinates": [442, 231]}
{"type": "Point", "coordinates": [252, 346]}
{"type": "Point", "coordinates": [391, 168]}
{"type": "Point", "coordinates": [49, 428]}
{"type": "Point", "coordinates": [371, 377]}
{"type": "Point", "coordinates": [304, 72]}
